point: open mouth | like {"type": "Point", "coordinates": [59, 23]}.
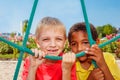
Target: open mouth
{"type": "Point", "coordinates": [53, 51]}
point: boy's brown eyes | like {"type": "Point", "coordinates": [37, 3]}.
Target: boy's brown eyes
{"type": "Point", "coordinates": [73, 44]}
{"type": "Point", "coordinates": [83, 43]}
{"type": "Point", "coordinates": [86, 42]}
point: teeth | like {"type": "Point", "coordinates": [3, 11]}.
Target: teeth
{"type": "Point", "coordinates": [52, 50]}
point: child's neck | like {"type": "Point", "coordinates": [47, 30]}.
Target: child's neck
{"type": "Point", "coordinates": [86, 64]}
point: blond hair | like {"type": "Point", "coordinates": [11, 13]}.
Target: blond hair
{"type": "Point", "coordinates": [49, 23]}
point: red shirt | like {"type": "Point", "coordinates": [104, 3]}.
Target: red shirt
{"type": "Point", "coordinates": [47, 72]}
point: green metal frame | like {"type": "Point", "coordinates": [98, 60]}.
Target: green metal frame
{"type": "Point", "coordinates": [23, 48]}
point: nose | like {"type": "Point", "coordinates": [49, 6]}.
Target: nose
{"type": "Point", "coordinates": [80, 48]}
{"type": "Point", "coordinates": [53, 43]}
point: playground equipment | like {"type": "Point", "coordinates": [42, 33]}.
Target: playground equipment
{"type": "Point", "coordinates": [23, 48]}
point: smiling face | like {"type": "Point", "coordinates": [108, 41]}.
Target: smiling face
{"type": "Point", "coordinates": [79, 43]}
{"type": "Point", "coordinates": [52, 41]}
{"type": "Point", "coordinates": [51, 36]}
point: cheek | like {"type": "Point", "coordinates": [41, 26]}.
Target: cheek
{"type": "Point", "coordinates": [43, 45]}
{"type": "Point", "coordinates": [85, 47]}
{"type": "Point", "coordinates": [74, 49]}
{"type": "Point", "coordinates": [61, 44]}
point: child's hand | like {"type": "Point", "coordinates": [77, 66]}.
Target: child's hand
{"type": "Point", "coordinates": [68, 61]}
{"type": "Point", "coordinates": [36, 60]}
{"type": "Point", "coordinates": [96, 54]}
{"type": "Point", "coordinates": [96, 74]}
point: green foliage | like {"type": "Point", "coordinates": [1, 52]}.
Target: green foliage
{"type": "Point", "coordinates": [12, 34]}
{"type": "Point", "coordinates": [15, 52]}
{"type": "Point", "coordinates": [113, 47]}
{"type": "Point", "coordinates": [99, 29]}
{"type": "Point", "coordinates": [118, 49]}
{"type": "Point", "coordinates": [5, 48]}
{"type": "Point", "coordinates": [110, 47]}
{"type": "Point", "coordinates": [114, 30]}
{"type": "Point", "coordinates": [6, 56]}
{"type": "Point", "coordinates": [31, 43]}
{"type": "Point", "coordinates": [107, 48]}
{"type": "Point", "coordinates": [24, 26]}
{"type": "Point", "coordinates": [66, 48]}
{"type": "Point", "coordinates": [9, 56]}
{"type": "Point", "coordinates": [100, 35]}
{"type": "Point", "coordinates": [105, 30]}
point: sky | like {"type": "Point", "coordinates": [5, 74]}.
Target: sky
{"type": "Point", "coordinates": [99, 12]}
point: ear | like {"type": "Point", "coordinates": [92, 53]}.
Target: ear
{"type": "Point", "coordinates": [97, 41]}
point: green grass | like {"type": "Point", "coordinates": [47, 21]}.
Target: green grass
{"type": "Point", "coordinates": [6, 56]}
{"type": "Point", "coordinates": [9, 56]}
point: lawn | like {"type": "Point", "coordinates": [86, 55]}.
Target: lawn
{"type": "Point", "coordinates": [9, 57]}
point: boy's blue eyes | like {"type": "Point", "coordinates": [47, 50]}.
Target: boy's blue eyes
{"type": "Point", "coordinates": [45, 39]}
{"type": "Point", "coordinates": [59, 39]}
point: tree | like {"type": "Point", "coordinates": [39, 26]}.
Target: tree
{"type": "Point", "coordinates": [12, 35]}
{"type": "Point", "coordinates": [115, 30]}
{"type": "Point", "coordinates": [24, 26]}
{"type": "Point", "coordinates": [107, 29]}
{"type": "Point", "coordinates": [100, 31]}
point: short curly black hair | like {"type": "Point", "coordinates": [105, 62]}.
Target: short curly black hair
{"type": "Point", "coordinates": [81, 26]}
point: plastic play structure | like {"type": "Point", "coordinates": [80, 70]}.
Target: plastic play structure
{"type": "Point", "coordinates": [23, 48]}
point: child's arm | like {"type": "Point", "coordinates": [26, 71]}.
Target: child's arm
{"type": "Point", "coordinates": [31, 73]}
{"type": "Point", "coordinates": [35, 61]}
{"type": "Point", "coordinates": [67, 64]}
{"type": "Point", "coordinates": [96, 54]}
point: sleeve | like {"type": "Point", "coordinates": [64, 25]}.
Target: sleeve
{"type": "Point", "coordinates": [25, 69]}
{"type": "Point", "coordinates": [113, 66]}
{"type": "Point", "coordinates": [73, 73]}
